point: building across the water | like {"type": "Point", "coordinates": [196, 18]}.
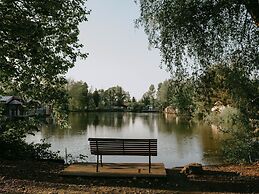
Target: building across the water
{"type": "Point", "coordinates": [12, 106]}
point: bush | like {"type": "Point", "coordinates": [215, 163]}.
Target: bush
{"type": "Point", "coordinates": [17, 148]}
{"type": "Point", "coordinates": [241, 143]}
{"type": "Point", "coordinates": [14, 146]}
{"type": "Point", "coordinates": [241, 146]}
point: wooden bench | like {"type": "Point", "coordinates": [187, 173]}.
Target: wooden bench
{"type": "Point", "coordinates": [115, 146]}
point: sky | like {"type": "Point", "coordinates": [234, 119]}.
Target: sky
{"type": "Point", "coordinates": [119, 53]}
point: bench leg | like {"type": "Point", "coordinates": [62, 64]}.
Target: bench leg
{"type": "Point", "coordinates": [101, 160]}
{"type": "Point", "coordinates": [149, 167]}
{"type": "Point", "coordinates": [97, 162]}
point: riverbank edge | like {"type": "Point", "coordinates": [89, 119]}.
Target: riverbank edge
{"type": "Point", "coordinates": [33, 176]}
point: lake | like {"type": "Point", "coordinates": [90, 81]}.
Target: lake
{"type": "Point", "coordinates": [179, 142]}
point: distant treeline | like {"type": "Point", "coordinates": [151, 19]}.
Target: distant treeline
{"type": "Point", "coordinates": [83, 98]}
{"type": "Point", "coordinates": [191, 96]}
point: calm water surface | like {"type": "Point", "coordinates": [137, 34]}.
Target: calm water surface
{"type": "Point", "coordinates": [179, 142]}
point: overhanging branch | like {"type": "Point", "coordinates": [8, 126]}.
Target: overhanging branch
{"type": "Point", "coordinates": [253, 8]}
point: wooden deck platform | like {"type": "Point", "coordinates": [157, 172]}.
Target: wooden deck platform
{"type": "Point", "coordinates": [115, 170]}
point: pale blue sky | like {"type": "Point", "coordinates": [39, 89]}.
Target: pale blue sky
{"type": "Point", "coordinates": [118, 52]}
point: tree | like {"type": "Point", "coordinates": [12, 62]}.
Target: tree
{"type": "Point", "coordinates": [151, 94]}
{"type": "Point", "coordinates": [195, 34]}
{"type": "Point", "coordinates": [148, 98]}
{"type": "Point", "coordinates": [163, 93]}
{"type": "Point", "coordinates": [96, 98]}
{"type": "Point", "coordinates": [116, 96]}
{"type": "Point", "coordinates": [38, 44]}
{"type": "Point", "coordinates": [133, 100]}
{"type": "Point", "coordinates": [101, 93]}
{"type": "Point", "coordinates": [78, 95]}
{"type": "Point", "coordinates": [230, 86]}
{"type": "Point", "coordinates": [181, 95]}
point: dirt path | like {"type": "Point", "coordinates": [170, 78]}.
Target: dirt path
{"type": "Point", "coordinates": [43, 177]}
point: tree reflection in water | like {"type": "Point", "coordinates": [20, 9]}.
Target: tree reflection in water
{"type": "Point", "coordinates": [179, 141]}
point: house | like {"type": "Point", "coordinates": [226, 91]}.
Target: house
{"type": "Point", "coordinates": [218, 107]}
{"type": "Point", "coordinates": [36, 108]}
{"type": "Point", "coordinates": [171, 110]}
{"type": "Point", "coordinates": [12, 106]}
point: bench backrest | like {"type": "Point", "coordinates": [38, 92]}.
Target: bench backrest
{"type": "Point", "coordinates": [114, 146]}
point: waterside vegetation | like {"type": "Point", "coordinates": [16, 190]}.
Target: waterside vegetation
{"type": "Point", "coordinates": [209, 47]}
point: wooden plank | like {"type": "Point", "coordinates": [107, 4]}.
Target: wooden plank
{"type": "Point", "coordinates": [117, 139]}
{"type": "Point", "coordinates": [116, 170]}
{"type": "Point", "coordinates": [125, 146]}
{"type": "Point", "coordinates": [116, 149]}
{"type": "Point", "coordinates": [121, 151]}
{"type": "Point", "coordinates": [124, 154]}
{"type": "Point", "coordinates": [126, 150]}
{"type": "Point", "coordinates": [121, 144]}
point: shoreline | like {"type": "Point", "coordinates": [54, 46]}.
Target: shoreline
{"type": "Point", "coordinates": [24, 176]}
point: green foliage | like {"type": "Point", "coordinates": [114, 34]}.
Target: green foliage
{"type": "Point", "coordinates": [76, 159]}
{"type": "Point", "coordinates": [18, 148]}
{"type": "Point", "coordinates": [83, 99]}
{"type": "Point", "coordinates": [229, 120]}
{"type": "Point", "coordinates": [163, 94]}
{"type": "Point", "coordinates": [149, 98]}
{"type": "Point", "coordinates": [181, 95]}
{"type": "Point", "coordinates": [195, 34]}
{"type": "Point", "coordinates": [241, 144]}
{"type": "Point", "coordinates": [96, 98]}
{"type": "Point", "coordinates": [177, 93]}
{"type": "Point", "coordinates": [231, 86]}
{"type": "Point", "coordinates": [116, 96]}
{"type": "Point", "coordinates": [38, 44]}
{"type": "Point", "coordinates": [78, 95]}
{"type": "Point", "coordinates": [12, 141]}
{"type": "Point", "coordinates": [242, 147]}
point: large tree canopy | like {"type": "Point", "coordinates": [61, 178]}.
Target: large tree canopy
{"type": "Point", "coordinates": [218, 42]}
{"type": "Point", "coordinates": [38, 44]}
{"type": "Point", "coordinates": [203, 32]}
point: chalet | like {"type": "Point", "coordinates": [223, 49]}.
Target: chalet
{"type": "Point", "coordinates": [171, 110]}
{"type": "Point", "coordinates": [12, 106]}
{"type": "Point", "coordinates": [218, 107]}
{"type": "Point", "coordinates": [36, 108]}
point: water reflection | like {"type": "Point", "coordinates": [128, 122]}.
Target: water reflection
{"type": "Point", "coordinates": [179, 142]}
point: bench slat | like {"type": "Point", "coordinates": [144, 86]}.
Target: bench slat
{"type": "Point", "coordinates": [128, 150]}
{"type": "Point", "coordinates": [124, 152]}
{"type": "Point", "coordinates": [121, 143]}
{"type": "Point", "coordinates": [124, 147]}
{"type": "Point", "coordinates": [118, 139]}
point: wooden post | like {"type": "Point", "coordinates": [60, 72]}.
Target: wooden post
{"type": "Point", "coordinates": [66, 154]}
{"type": "Point", "coordinates": [97, 162]}
{"type": "Point", "coordinates": [149, 153]}
{"type": "Point", "coordinates": [97, 157]}
{"type": "Point", "coordinates": [123, 146]}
